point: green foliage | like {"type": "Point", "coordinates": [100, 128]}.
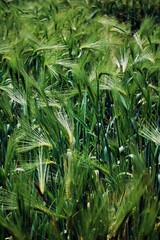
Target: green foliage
{"type": "Point", "coordinates": [79, 121]}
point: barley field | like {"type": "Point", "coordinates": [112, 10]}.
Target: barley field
{"type": "Point", "coordinates": [79, 120]}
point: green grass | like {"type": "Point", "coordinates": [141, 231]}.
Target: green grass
{"type": "Point", "coordinates": [79, 121]}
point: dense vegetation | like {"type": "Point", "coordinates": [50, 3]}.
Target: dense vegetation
{"type": "Point", "coordinates": [79, 120]}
